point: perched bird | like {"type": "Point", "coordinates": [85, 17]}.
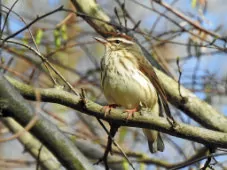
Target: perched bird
{"type": "Point", "coordinates": [128, 80]}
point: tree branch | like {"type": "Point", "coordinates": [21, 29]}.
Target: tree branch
{"type": "Point", "coordinates": [47, 160]}
{"type": "Point", "coordinates": [197, 134]}
{"type": "Point", "coordinates": [12, 104]}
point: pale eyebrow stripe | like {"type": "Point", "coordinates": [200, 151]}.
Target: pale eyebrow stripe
{"type": "Point", "coordinates": [120, 39]}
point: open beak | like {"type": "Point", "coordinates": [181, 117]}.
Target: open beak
{"type": "Point", "coordinates": [101, 40]}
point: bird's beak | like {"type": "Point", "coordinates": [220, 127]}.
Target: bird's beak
{"type": "Point", "coordinates": [101, 40]}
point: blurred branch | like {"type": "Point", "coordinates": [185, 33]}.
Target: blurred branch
{"type": "Point", "coordinates": [31, 23]}
{"type": "Point", "coordinates": [47, 160]}
{"type": "Point", "coordinates": [195, 108]}
{"type": "Point", "coordinates": [12, 104]}
{"type": "Point", "coordinates": [201, 153]}
{"type": "Point", "coordinates": [91, 8]}
{"type": "Point", "coordinates": [201, 135]}
{"type": "Point", "coordinates": [48, 64]}
{"type": "Point", "coordinates": [95, 152]}
{"type": "Point", "coordinates": [183, 29]}
{"type": "Point", "coordinates": [6, 18]}
{"type": "Point", "coordinates": [188, 20]}
{"type": "Point", "coordinates": [208, 156]}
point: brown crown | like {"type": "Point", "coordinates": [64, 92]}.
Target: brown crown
{"type": "Point", "coordinates": [116, 34]}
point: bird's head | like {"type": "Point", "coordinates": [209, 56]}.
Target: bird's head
{"type": "Point", "coordinates": [119, 44]}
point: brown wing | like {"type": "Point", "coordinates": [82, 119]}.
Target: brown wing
{"type": "Point", "coordinates": [147, 69]}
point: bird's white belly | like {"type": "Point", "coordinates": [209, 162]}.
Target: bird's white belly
{"type": "Point", "coordinates": [130, 91]}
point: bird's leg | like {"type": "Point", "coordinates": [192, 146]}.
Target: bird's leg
{"type": "Point", "coordinates": [108, 108]}
{"type": "Point", "coordinates": [130, 112]}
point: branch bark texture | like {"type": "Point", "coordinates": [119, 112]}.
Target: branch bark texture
{"type": "Point", "coordinates": [13, 105]}
{"type": "Point", "coordinates": [207, 137]}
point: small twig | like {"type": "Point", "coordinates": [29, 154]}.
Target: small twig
{"type": "Point", "coordinates": [8, 65]}
{"type": "Point", "coordinates": [38, 157]}
{"type": "Point", "coordinates": [195, 71]}
{"type": "Point", "coordinates": [31, 23]}
{"type": "Point", "coordinates": [177, 24]}
{"type": "Point", "coordinates": [136, 25]}
{"type": "Point", "coordinates": [118, 18]}
{"type": "Point", "coordinates": [83, 97]}
{"type": "Point", "coordinates": [47, 62]}
{"type": "Point", "coordinates": [184, 99]}
{"type": "Point", "coordinates": [113, 131]}
{"type": "Point", "coordinates": [33, 39]}
{"type": "Point", "coordinates": [6, 18]}
{"type": "Point", "coordinates": [207, 163]}
{"type": "Point", "coordinates": [116, 144]}
{"type": "Point", "coordinates": [64, 21]}
{"type": "Point", "coordinates": [159, 17]}
{"type": "Point", "coordinates": [123, 10]}
{"type": "Point", "coordinates": [188, 20]}
{"type": "Point", "coordinates": [197, 160]}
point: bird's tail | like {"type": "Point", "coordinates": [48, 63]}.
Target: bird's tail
{"type": "Point", "coordinates": [155, 142]}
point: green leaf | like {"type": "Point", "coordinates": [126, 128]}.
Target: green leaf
{"type": "Point", "coordinates": [125, 165]}
{"type": "Point", "coordinates": [57, 38]}
{"type": "Point", "coordinates": [25, 41]}
{"type": "Point", "coordinates": [39, 36]}
{"type": "Point", "coordinates": [2, 60]}
{"type": "Point", "coordinates": [194, 3]}
{"type": "Point", "coordinates": [64, 32]}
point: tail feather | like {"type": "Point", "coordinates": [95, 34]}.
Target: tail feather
{"type": "Point", "coordinates": [155, 142]}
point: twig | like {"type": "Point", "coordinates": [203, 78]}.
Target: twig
{"type": "Point", "coordinates": [115, 143]}
{"type": "Point", "coordinates": [113, 131]}
{"type": "Point", "coordinates": [123, 10]}
{"type": "Point", "coordinates": [184, 99]}
{"type": "Point", "coordinates": [159, 18]}
{"type": "Point", "coordinates": [38, 157]}
{"type": "Point", "coordinates": [207, 163]}
{"type": "Point", "coordinates": [118, 18]}
{"type": "Point", "coordinates": [31, 23]}
{"type": "Point", "coordinates": [33, 39]}
{"type": "Point", "coordinates": [197, 160]}
{"type": "Point", "coordinates": [183, 17]}
{"type": "Point", "coordinates": [47, 62]}
{"type": "Point", "coordinates": [6, 18]}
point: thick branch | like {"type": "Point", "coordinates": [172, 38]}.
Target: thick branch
{"type": "Point", "coordinates": [12, 104]}
{"type": "Point", "coordinates": [193, 107]}
{"type": "Point", "coordinates": [46, 159]}
{"type": "Point", "coordinates": [92, 9]}
{"type": "Point", "coordinates": [201, 135]}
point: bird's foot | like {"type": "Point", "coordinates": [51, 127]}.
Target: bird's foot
{"type": "Point", "coordinates": [108, 108]}
{"type": "Point", "coordinates": [130, 113]}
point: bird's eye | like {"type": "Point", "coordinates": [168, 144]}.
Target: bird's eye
{"type": "Point", "coordinates": [117, 41]}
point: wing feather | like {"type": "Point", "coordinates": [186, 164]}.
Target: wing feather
{"type": "Point", "coordinates": [146, 68]}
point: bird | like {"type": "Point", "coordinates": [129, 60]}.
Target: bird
{"type": "Point", "coordinates": [128, 80]}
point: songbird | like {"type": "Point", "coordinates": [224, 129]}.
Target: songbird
{"type": "Point", "coordinates": [128, 80]}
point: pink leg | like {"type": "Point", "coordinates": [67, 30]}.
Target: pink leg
{"type": "Point", "coordinates": [130, 112]}
{"type": "Point", "coordinates": [108, 108]}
